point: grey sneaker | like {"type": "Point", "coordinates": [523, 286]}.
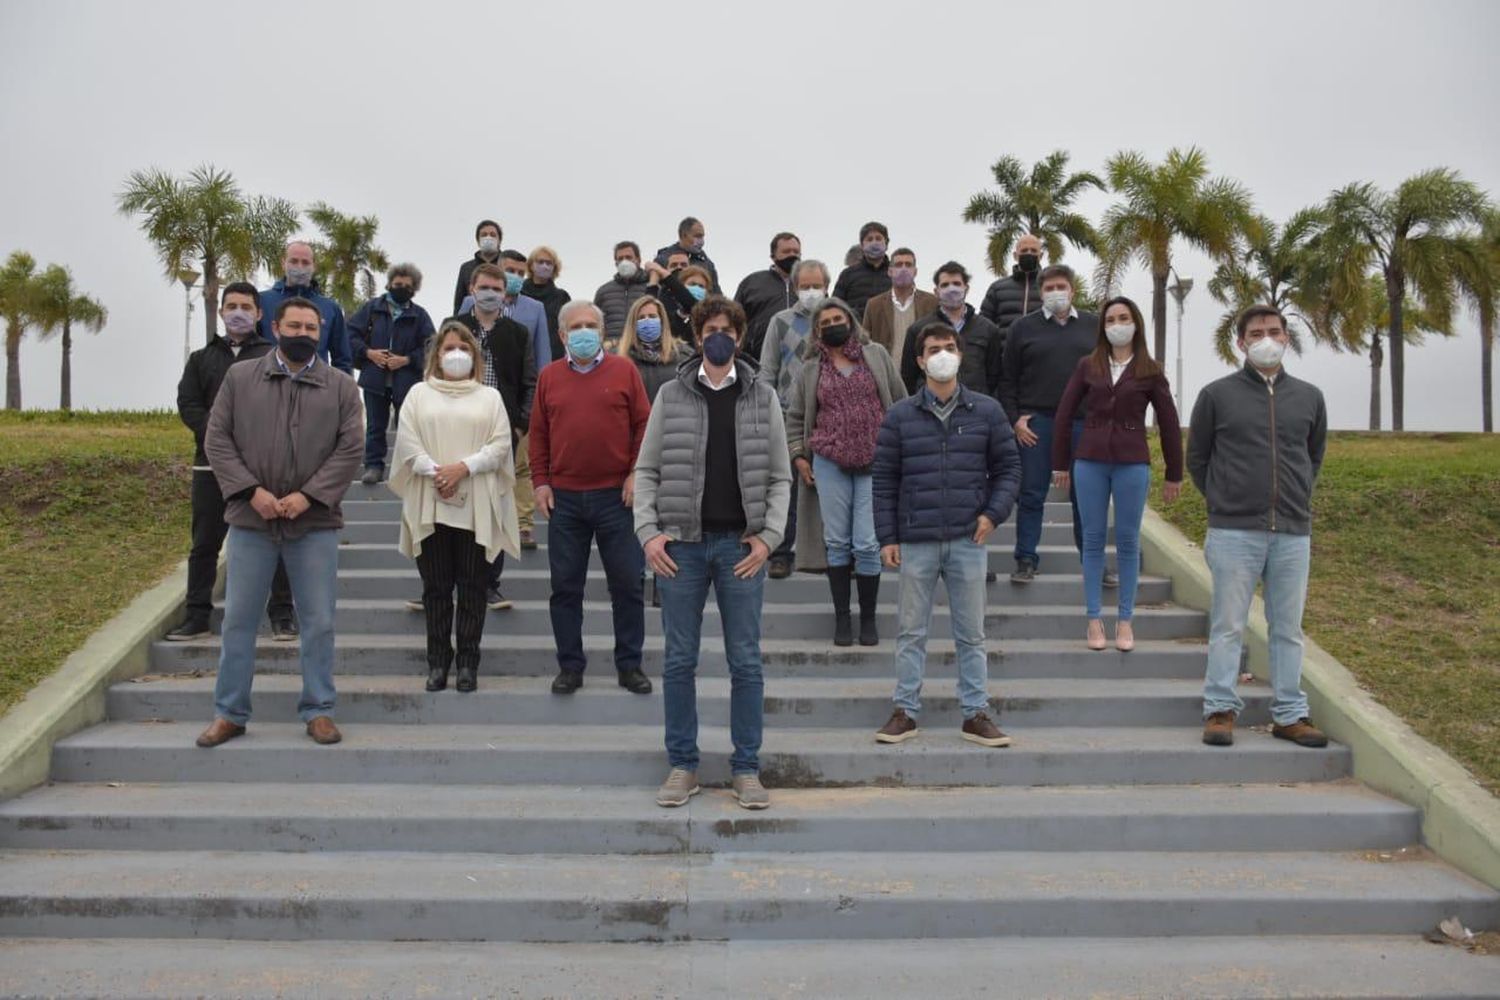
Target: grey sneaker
{"type": "Point", "coordinates": [751, 793]}
{"type": "Point", "coordinates": [680, 786]}
{"type": "Point", "coordinates": [1025, 572]}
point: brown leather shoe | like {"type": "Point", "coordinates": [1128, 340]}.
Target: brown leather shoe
{"type": "Point", "coordinates": [219, 731]}
{"type": "Point", "coordinates": [323, 731]}
{"type": "Point", "coordinates": [1302, 733]}
{"type": "Point", "coordinates": [983, 731]}
{"type": "Point", "coordinates": [1218, 729]}
{"type": "Point", "coordinates": [899, 728]}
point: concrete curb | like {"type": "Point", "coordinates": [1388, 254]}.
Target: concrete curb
{"type": "Point", "coordinates": [1460, 820]}
{"type": "Point", "coordinates": [73, 697]}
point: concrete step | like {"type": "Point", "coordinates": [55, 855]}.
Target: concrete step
{"type": "Point", "coordinates": [1336, 816]}
{"type": "Point", "coordinates": [389, 531]}
{"type": "Point", "coordinates": [536, 585]}
{"type": "Point", "coordinates": [388, 508]}
{"type": "Point", "coordinates": [1053, 558]}
{"type": "Point", "coordinates": [790, 702]}
{"type": "Point", "coordinates": [536, 655]}
{"type": "Point", "coordinates": [826, 896]}
{"type": "Point", "coordinates": [596, 753]}
{"type": "Point", "coordinates": [1354, 968]}
{"type": "Point", "coordinates": [811, 622]}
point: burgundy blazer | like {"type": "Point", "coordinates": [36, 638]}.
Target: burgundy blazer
{"type": "Point", "coordinates": [1114, 428]}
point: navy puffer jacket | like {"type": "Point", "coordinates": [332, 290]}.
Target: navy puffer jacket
{"type": "Point", "coordinates": [932, 482]}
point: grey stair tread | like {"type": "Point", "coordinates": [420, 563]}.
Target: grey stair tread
{"type": "Point", "coordinates": [1066, 969]}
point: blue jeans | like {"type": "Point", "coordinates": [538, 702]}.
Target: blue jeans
{"type": "Point", "coordinates": [1095, 483]}
{"type": "Point", "coordinates": [578, 519]}
{"type": "Point", "coordinates": [1239, 560]}
{"type": "Point", "coordinates": [1036, 480]}
{"type": "Point", "coordinates": [312, 564]}
{"type": "Point", "coordinates": [682, 600]}
{"type": "Point", "coordinates": [961, 564]}
{"type": "Point", "coordinates": [378, 403]}
{"type": "Point", "coordinates": [846, 503]}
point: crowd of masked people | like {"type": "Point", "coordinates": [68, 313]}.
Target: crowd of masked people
{"type": "Point", "coordinates": [843, 424]}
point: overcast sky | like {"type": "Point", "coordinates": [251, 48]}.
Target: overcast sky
{"type": "Point", "coordinates": [579, 124]}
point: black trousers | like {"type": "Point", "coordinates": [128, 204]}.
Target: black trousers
{"type": "Point", "coordinates": [450, 559]}
{"type": "Point", "coordinates": [209, 532]}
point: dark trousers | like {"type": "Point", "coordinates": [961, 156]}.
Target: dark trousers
{"type": "Point", "coordinates": [577, 521]}
{"type": "Point", "coordinates": [378, 405]}
{"type": "Point", "coordinates": [450, 559]}
{"type": "Point", "coordinates": [789, 540]}
{"type": "Point", "coordinates": [209, 531]}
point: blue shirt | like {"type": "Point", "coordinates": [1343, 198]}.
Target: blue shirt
{"type": "Point", "coordinates": [333, 338]}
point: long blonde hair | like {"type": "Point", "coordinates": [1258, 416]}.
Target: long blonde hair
{"type": "Point", "coordinates": [434, 366]}
{"type": "Point", "coordinates": [628, 338]}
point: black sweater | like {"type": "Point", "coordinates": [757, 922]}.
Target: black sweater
{"type": "Point", "coordinates": [861, 282]}
{"type": "Point", "coordinates": [763, 295]}
{"type": "Point", "coordinates": [723, 507]}
{"type": "Point", "coordinates": [201, 378]}
{"type": "Point", "coordinates": [1040, 356]}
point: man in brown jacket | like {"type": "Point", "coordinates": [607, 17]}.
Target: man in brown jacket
{"type": "Point", "coordinates": [889, 316]}
{"type": "Point", "coordinates": [285, 440]}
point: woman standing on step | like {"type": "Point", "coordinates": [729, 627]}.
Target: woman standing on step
{"type": "Point", "coordinates": [647, 340]}
{"type": "Point", "coordinates": [1113, 386]}
{"type": "Point", "coordinates": [454, 472]}
{"type": "Point", "coordinates": [838, 401]}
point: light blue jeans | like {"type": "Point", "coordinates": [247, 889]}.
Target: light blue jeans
{"type": "Point", "coordinates": [961, 565]}
{"type": "Point", "coordinates": [312, 563]}
{"type": "Point", "coordinates": [1239, 560]}
{"type": "Point", "coordinates": [1095, 482]}
{"type": "Point", "coordinates": [846, 501]}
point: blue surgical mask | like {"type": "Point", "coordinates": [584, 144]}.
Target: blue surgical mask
{"type": "Point", "coordinates": [513, 283]}
{"type": "Point", "coordinates": [698, 292]}
{"type": "Point", "coordinates": [299, 277]}
{"type": "Point", "coordinates": [648, 329]}
{"type": "Point", "coordinates": [583, 343]}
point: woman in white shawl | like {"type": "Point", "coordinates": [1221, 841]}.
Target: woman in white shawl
{"type": "Point", "coordinates": [454, 472]}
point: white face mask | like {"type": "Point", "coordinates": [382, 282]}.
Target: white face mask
{"type": "Point", "coordinates": [1120, 334]}
{"type": "Point", "coordinates": [625, 268]}
{"type": "Point", "coordinates": [1057, 303]}
{"type": "Point", "coordinates": [457, 363]}
{"type": "Point", "coordinates": [1266, 352]}
{"type": "Point", "coordinates": [943, 366]}
{"type": "Point", "coordinates": [488, 244]}
{"type": "Point", "coordinates": [809, 297]}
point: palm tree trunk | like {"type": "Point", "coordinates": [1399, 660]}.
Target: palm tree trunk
{"type": "Point", "coordinates": [13, 368]}
{"type": "Point", "coordinates": [1376, 357]}
{"type": "Point", "coordinates": [1159, 314]}
{"type": "Point", "coordinates": [1395, 288]}
{"type": "Point", "coordinates": [210, 299]}
{"type": "Point", "coordinates": [1486, 378]}
{"type": "Point", "coordinates": [66, 398]}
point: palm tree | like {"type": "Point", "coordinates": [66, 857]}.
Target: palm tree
{"type": "Point", "coordinates": [63, 307]}
{"type": "Point", "coordinates": [1039, 203]}
{"type": "Point", "coordinates": [346, 254]}
{"type": "Point", "coordinates": [1274, 266]}
{"type": "Point", "coordinates": [19, 294]}
{"type": "Point", "coordinates": [1362, 326]}
{"type": "Point", "coordinates": [1477, 274]}
{"type": "Point", "coordinates": [1163, 203]}
{"type": "Point", "coordinates": [1410, 236]}
{"type": "Point", "coordinates": [205, 220]}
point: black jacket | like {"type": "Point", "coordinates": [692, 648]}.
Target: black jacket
{"type": "Point", "coordinates": [679, 302]}
{"type": "Point", "coordinates": [552, 299]}
{"type": "Point", "coordinates": [1255, 449]}
{"type": "Point", "coordinates": [201, 378]}
{"type": "Point", "coordinates": [509, 350]}
{"type": "Point", "coordinates": [762, 295]}
{"type": "Point", "coordinates": [1040, 358]}
{"type": "Point", "coordinates": [980, 369]}
{"type": "Point", "coordinates": [1010, 298]}
{"type": "Point", "coordinates": [859, 283]}
{"type": "Point", "coordinates": [465, 271]}
{"type": "Point", "coordinates": [694, 257]}
{"type": "Point", "coordinates": [370, 328]}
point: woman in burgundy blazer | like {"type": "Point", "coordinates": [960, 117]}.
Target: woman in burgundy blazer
{"type": "Point", "coordinates": [1113, 386]}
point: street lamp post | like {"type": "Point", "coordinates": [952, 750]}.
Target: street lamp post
{"type": "Point", "coordinates": [187, 276]}
{"type": "Point", "coordinates": [1179, 293]}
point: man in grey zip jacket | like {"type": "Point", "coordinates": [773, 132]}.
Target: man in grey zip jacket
{"type": "Point", "coordinates": [1254, 450]}
{"type": "Point", "coordinates": [713, 482]}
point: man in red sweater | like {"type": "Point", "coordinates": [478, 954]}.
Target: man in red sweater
{"type": "Point", "coordinates": [587, 422]}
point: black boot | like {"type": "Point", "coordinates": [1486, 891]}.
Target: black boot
{"type": "Point", "coordinates": [468, 679]}
{"type": "Point", "coordinates": [437, 678]}
{"type": "Point", "coordinates": [843, 624]}
{"type": "Point", "coordinates": [869, 593]}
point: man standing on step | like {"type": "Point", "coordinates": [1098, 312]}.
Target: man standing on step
{"type": "Point", "coordinates": [284, 439]}
{"type": "Point", "coordinates": [586, 428]}
{"type": "Point", "coordinates": [1254, 450]}
{"type": "Point", "coordinates": [713, 486]}
{"type": "Point", "coordinates": [201, 378]}
{"type": "Point", "coordinates": [946, 475]}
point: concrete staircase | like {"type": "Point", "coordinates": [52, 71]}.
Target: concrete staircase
{"type": "Point", "coordinates": [507, 843]}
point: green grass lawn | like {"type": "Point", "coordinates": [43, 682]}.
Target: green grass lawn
{"type": "Point", "coordinates": [93, 510]}
{"type": "Point", "coordinates": [1405, 582]}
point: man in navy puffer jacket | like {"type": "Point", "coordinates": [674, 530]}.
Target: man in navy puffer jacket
{"type": "Point", "coordinates": [946, 474]}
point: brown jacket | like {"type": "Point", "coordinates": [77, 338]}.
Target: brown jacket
{"type": "Point", "coordinates": [880, 316]}
{"type": "Point", "coordinates": [286, 434]}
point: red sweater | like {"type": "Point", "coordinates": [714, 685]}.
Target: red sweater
{"type": "Point", "coordinates": [586, 428]}
{"type": "Point", "coordinates": [1114, 428]}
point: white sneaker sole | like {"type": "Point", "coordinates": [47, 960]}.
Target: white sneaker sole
{"type": "Point", "coordinates": [884, 738]}
{"type": "Point", "coordinates": [1003, 741]}
{"type": "Point", "coordinates": [674, 803]}
{"type": "Point", "coordinates": [753, 805]}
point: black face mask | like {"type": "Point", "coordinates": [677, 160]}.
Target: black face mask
{"type": "Point", "coordinates": [400, 295]}
{"type": "Point", "coordinates": [298, 350]}
{"type": "Point", "coordinates": [835, 336]}
{"type": "Point", "coordinates": [1030, 262]}
{"type": "Point", "coordinates": [785, 264]}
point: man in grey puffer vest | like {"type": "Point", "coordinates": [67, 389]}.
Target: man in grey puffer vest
{"type": "Point", "coordinates": [713, 482]}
